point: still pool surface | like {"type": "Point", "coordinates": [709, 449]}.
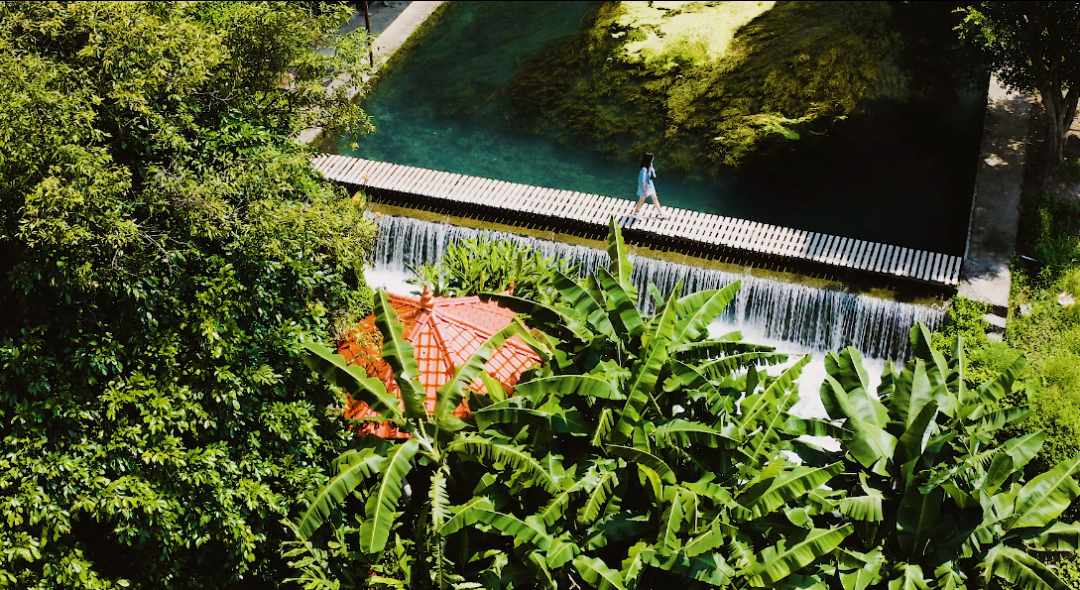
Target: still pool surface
{"type": "Point", "coordinates": [902, 174]}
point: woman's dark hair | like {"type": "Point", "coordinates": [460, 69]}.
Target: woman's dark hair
{"type": "Point", "coordinates": [646, 159]}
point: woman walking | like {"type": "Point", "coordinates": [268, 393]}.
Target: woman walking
{"type": "Point", "coordinates": [646, 189]}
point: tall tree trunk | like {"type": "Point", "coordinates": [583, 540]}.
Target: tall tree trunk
{"type": "Point", "coordinates": [1060, 110]}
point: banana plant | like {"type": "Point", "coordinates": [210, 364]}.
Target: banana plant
{"type": "Point", "coordinates": [670, 443]}
{"type": "Point", "coordinates": [391, 484]}
{"type": "Point", "coordinates": [642, 451]}
{"type": "Point", "coordinates": [936, 500]}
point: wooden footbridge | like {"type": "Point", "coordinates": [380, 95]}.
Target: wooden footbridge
{"type": "Point", "coordinates": [473, 195]}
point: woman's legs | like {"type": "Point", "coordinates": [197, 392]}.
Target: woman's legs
{"type": "Point", "coordinates": [656, 203]}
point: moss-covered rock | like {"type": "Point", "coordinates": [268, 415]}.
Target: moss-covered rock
{"type": "Point", "coordinates": [712, 83]}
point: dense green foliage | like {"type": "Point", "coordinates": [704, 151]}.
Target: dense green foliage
{"type": "Point", "coordinates": [936, 499]}
{"type": "Point", "coordinates": [164, 246]}
{"type": "Point", "coordinates": [720, 81]}
{"type": "Point", "coordinates": [643, 452]}
{"type": "Point", "coordinates": [1040, 328]}
{"type": "Point", "coordinates": [484, 265]}
{"type": "Point", "coordinates": [1034, 46]}
{"type": "Point", "coordinates": [617, 463]}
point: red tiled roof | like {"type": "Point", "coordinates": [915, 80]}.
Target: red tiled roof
{"type": "Point", "coordinates": [445, 332]}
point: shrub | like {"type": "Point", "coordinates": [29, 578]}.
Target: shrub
{"type": "Point", "coordinates": [484, 265]}
{"type": "Point", "coordinates": [164, 244]}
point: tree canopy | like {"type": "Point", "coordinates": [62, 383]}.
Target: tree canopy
{"type": "Point", "coordinates": [1034, 46]}
{"type": "Point", "coordinates": [164, 243]}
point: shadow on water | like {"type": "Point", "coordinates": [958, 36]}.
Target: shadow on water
{"type": "Point", "coordinates": [900, 173]}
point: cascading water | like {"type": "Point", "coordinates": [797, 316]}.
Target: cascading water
{"type": "Point", "coordinates": [796, 317]}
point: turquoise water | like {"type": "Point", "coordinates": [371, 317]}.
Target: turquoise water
{"type": "Point", "coordinates": [901, 174]}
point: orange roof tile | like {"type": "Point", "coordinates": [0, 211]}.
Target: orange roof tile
{"type": "Point", "coordinates": [445, 332]}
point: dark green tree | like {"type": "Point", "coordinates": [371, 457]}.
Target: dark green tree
{"type": "Point", "coordinates": [1034, 46]}
{"type": "Point", "coordinates": [164, 243]}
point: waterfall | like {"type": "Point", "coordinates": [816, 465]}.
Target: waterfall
{"type": "Point", "coordinates": [765, 310]}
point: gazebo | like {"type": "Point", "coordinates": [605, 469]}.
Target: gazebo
{"type": "Point", "coordinates": [445, 332]}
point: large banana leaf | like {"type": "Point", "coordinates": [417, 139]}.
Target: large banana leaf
{"type": "Point", "coordinates": [1059, 537]}
{"type": "Point", "coordinates": [438, 503]}
{"type": "Point", "coordinates": [507, 412]}
{"type": "Point", "coordinates": [804, 426]}
{"type": "Point", "coordinates": [597, 573]}
{"type": "Point", "coordinates": [950, 577]}
{"type": "Point", "coordinates": [370, 390]}
{"type": "Point", "coordinates": [604, 424]}
{"type": "Point", "coordinates": [685, 433]}
{"type": "Point", "coordinates": [697, 310]}
{"type": "Point", "coordinates": [556, 507]}
{"type": "Point", "coordinates": [847, 368]}
{"type": "Point", "coordinates": [685, 377]}
{"type": "Point", "coordinates": [556, 320]}
{"type": "Point", "coordinates": [715, 535]}
{"type": "Point", "coordinates": [720, 368]}
{"type": "Point", "coordinates": [523, 531]}
{"type": "Point", "coordinates": [1023, 571]}
{"type": "Point", "coordinates": [766, 496]}
{"type": "Point", "coordinates": [440, 500]}
{"type": "Point", "coordinates": [1044, 498]}
{"type": "Point", "coordinates": [353, 468]}
{"type": "Point", "coordinates": [451, 393]}
{"type": "Point", "coordinates": [709, 568]}
{"type": "Point", "coordinates": [577, 298]}
{"type": "Point", "coordinates": [866, 508]}
{"type": "Point", "coordinates": [560, 552]}
{"type": "Point", "coordinates": [489, 451]}
{"type": "Point", "coordinates": [399, 354]}
{"type": "Point", "coordinates": [918, 517]}
{"type": "Point", "coordinates": [465, 515]}
{"type": "Point", "coordinates": [780, 561]}
{"type": "Point", "coordinates": [913, 391]}
{"type": "Point", "coordinates": [671, 522]}
{"type": "Point", "coordinates": [495, 390]}
{"type": "Point", "coordinates": [1001, 468]}
{"type": "Point", "coordinates": [616, 528]}
{"type": "Point", "coordinates": [909, 577]}
{"type": "Point", "coordinates": [662, 326]}
{"type": "Point", "coordinates": [993, 390]}
{"type": "Point", "coordinates": [644, 375]}
{"type": "Point", "coordinates": [990, 423]}
{"type": "Point", "coordinates": [781, 395]}
{"type": "Point", "coordinates": [587, 386]}
{"type": "Point", "coordinates": [639, 556]}
{"type": "Point", "coordinates": [860, 570]}
{"type": "Point", "coordinates": [911, 441]}
{"type": "Point", "coordinates": [777, 398]}
{"type": "Point", "coordinates": [622, 307]}
{"type": "Point", "coordinates": [866, 418]}
{"type": "Point", "coordinates": [620, 267]}
{"type": "Point", "coordinates": [703, 350]}
{"type": "Point", "coordinates": [382, 503]}
{"type": "Point", "coordinates": [647, 459]}
{"type": "Point", "coordinates": [538, 566]}
{"type": "Point", "coordinates": [596, 496]}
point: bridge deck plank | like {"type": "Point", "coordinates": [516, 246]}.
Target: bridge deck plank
{"type": "Point", "coordinates": [545, 203]}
